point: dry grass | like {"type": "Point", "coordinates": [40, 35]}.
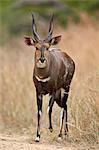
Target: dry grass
{"type": "Point", "coordinates": [17, 93]}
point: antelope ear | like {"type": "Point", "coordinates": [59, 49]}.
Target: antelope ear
{"type": "Point", "coordinates": [29, 41]}
{"type": "Point", "coordinates": [55, 40]}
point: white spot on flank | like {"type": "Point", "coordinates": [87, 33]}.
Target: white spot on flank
{"type": "Point", "coordinates": [63, 92]}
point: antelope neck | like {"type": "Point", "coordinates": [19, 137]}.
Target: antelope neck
{"type": "Point", "coordinates": [42, 74]}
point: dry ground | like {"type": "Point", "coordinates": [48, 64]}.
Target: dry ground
{"type": "Point", "coordinates": [18, 101]}
{"type": "Point", "coordinates": [16, 142]}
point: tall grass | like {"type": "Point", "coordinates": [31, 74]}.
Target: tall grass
{"type": "Point", "coordinates": [17, 92]}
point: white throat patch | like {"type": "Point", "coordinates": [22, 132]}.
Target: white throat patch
{"type": "Point", "coordinates": [43, 80]}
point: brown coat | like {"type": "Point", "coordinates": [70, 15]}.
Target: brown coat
{"type": "Point", "coordinates": [61, 70]}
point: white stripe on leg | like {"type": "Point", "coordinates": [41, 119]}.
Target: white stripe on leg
{"type": "Point", "coordinates": [61, 117]}
{"type": "Point", "coordinates": [40, 112]}
{"type": "Point", "coordinates": [48, 108]}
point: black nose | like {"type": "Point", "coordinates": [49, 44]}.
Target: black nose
{"type": "Point", "coordinates": [42, 59]}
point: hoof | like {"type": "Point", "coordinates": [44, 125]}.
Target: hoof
{"type": "Point", "coordinates": [60, 137]}
{"type": "Point", "coordinates": [66, 135]}
{"type": "Point", "coordinates": [37, 139]}
{"type": "Point", "coordinates": [51, 130]}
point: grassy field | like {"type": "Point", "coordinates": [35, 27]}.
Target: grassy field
{"type": "Point", "coordinates": [17, 92]}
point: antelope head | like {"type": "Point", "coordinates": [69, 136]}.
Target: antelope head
{"type": "Point", "coordinates": [42, 46]}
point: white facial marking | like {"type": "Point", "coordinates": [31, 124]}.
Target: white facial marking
{"type": "Point", "coordinates": [41, 65]}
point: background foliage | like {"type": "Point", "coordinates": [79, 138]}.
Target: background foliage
{"type": "Point", "coordinates": [15, 15]}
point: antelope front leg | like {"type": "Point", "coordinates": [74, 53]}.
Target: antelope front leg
{"type": "Point", "coordinates": [49, 111]}
{"type": "Point", "coordinates": [39, 107]}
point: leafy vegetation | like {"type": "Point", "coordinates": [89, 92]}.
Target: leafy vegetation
{"type": "Point", "coordinates": [15, 15]}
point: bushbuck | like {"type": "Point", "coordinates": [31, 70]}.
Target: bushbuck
{"type": "Point", "coordinates": [53, 72]}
